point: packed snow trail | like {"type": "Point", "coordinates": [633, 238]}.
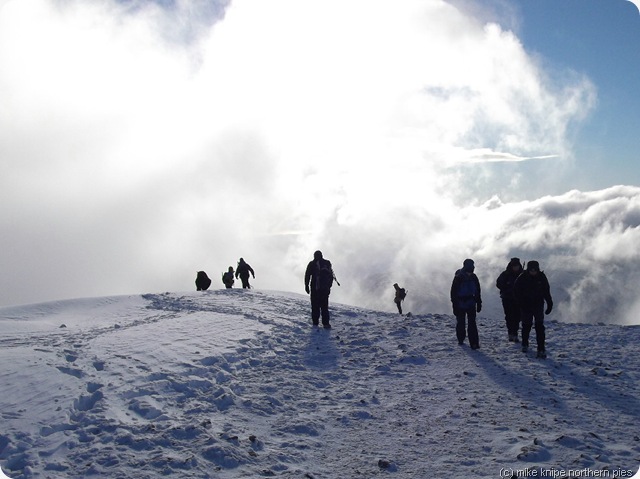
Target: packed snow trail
{"type": "Point", "coordinates": [238, 384]}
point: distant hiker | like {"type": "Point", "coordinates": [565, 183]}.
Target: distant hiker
{"type": "Point", "coordinates": [506, 283]}
{"type": "Point", "coordinates": [202, 281]}
{"type": "Point", "coordinates": [318, 279]}
{"type": "Point", "coordinates": [243, 270]}
{"type": "Point", "coordinates": [466, 302]}
{"type": "Point", "coordinates": [532, 291]}
{"type": "Point", "coordinates": [401, 293]}
{"type": "Point", "coordinates": [227, 278]}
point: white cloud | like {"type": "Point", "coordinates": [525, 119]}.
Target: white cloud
{"type": "Point", "coordinates": [636, 3]}
{"type": "Point", "coordinates": [140, 146]}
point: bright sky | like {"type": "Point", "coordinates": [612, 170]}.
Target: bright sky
{"type": "Point", "coordinates": [600, 39]}
{"type": "Point", "coordinates": [141, 142]}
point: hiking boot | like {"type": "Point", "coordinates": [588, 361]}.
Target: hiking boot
{"type": "Point", "coordinates": [512, 338]}
{"type": "Point", "coordinates": [525, 348]}
{"type": "Point", "coordinates": [542, 354]}
{"type": "Point", "coordinates": [326, 325]}
{"type": "Point", "coordinates": [475, 346]}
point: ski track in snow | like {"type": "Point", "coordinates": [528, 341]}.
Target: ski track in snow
{"type": "Point", "coordinates": [236, 384]}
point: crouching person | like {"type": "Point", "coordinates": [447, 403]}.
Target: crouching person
{"type": "Point", "coordinates": [202, 281]}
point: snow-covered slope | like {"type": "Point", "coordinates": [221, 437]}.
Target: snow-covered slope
{"type": "Point", "coordinates": [233, 383]}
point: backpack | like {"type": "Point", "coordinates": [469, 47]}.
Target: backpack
{"type": "Point", "coordinates": [324, 277]}
{"type": "Point", "coordinates": [227, 278]}
{"type": "Point", "coordinates": [402, 293]}
{"type": "Point", "coordinates": [467, 291]}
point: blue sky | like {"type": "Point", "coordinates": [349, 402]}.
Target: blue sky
{"type": "Point", "coordinates": [601, 39]}
{"type": "Point", "coordinates": [144, 141]}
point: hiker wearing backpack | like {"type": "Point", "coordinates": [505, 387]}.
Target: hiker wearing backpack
{"type": "Point", "coordinates": [243, 270]}
{"type": "Point", "coordinates": [401, 293]}
{"type": "Point", "coordinates": [318, 279]}
{"type": "Point", "coordinates": [506, 284]}
{"type": "Point", "coordinates": [532, 291]}
{"type": "Point", "coordinates": [466, 302]}
{"type": "Point", "coordinates": [227, 278]}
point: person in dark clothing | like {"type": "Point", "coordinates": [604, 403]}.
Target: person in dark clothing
{"type": "Point", "coordinates": [466, 301]}
{"type": "Point", "coordinates": [243, 270]}
{"type": "Point", "coordinates": [401, 293]}
{"type": "Point", "coordinates": [227, 278]}
{"type": "Point", "coordinates": [532, 291]}
{"type": "Point", "coordinates": [318, 279]}
{"type": "Point", "coordinates": [505, 283]}
{"type": "Point", "coordinates": [202, 281]}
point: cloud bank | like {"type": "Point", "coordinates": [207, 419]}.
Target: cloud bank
{"type": "Point", "coordinates": [145, 141]}
{"type": "Point", "coordinates": [583, 240]}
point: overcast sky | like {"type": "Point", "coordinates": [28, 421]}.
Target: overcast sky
{"type": "Point", "coordinates": [143, 141]}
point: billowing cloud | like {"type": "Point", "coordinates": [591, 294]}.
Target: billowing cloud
{"type": "Point", "coordinates": [143, 142]}
{"type": "Point", "coordinates": [583, 240]}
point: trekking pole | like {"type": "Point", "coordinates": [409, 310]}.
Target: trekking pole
{"type": "Point", "coordinates": [336, 279]}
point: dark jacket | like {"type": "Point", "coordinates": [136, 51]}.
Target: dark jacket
{"type": "Point", "coordinates": [465, 291]}
{"type": "Point", "coordinates": [244, 269]}
{"type": "Point", "coordinates": [506, 282]}
{"type": "Point", "coordinates": [318, 278]}
{"type": "Point", "coordinates": [227, 278]}
{"type": "Point", "coordinates": [533, 290]}
{"type": "Point", "coordinates": [401, 293]}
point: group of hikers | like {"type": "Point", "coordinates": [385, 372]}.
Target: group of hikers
{"type": "Point", "coordinates": [523, 291]}
{"type": "Point", "coordinates": [243, 270]}
{"type": "Point", "coordinates": [318, 279]}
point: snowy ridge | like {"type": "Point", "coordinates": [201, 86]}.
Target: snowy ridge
{"type": "Point", "coordinates": [238, 384]}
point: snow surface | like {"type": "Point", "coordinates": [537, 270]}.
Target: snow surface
{"type": "Point", "coordinates": [238, 384]}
